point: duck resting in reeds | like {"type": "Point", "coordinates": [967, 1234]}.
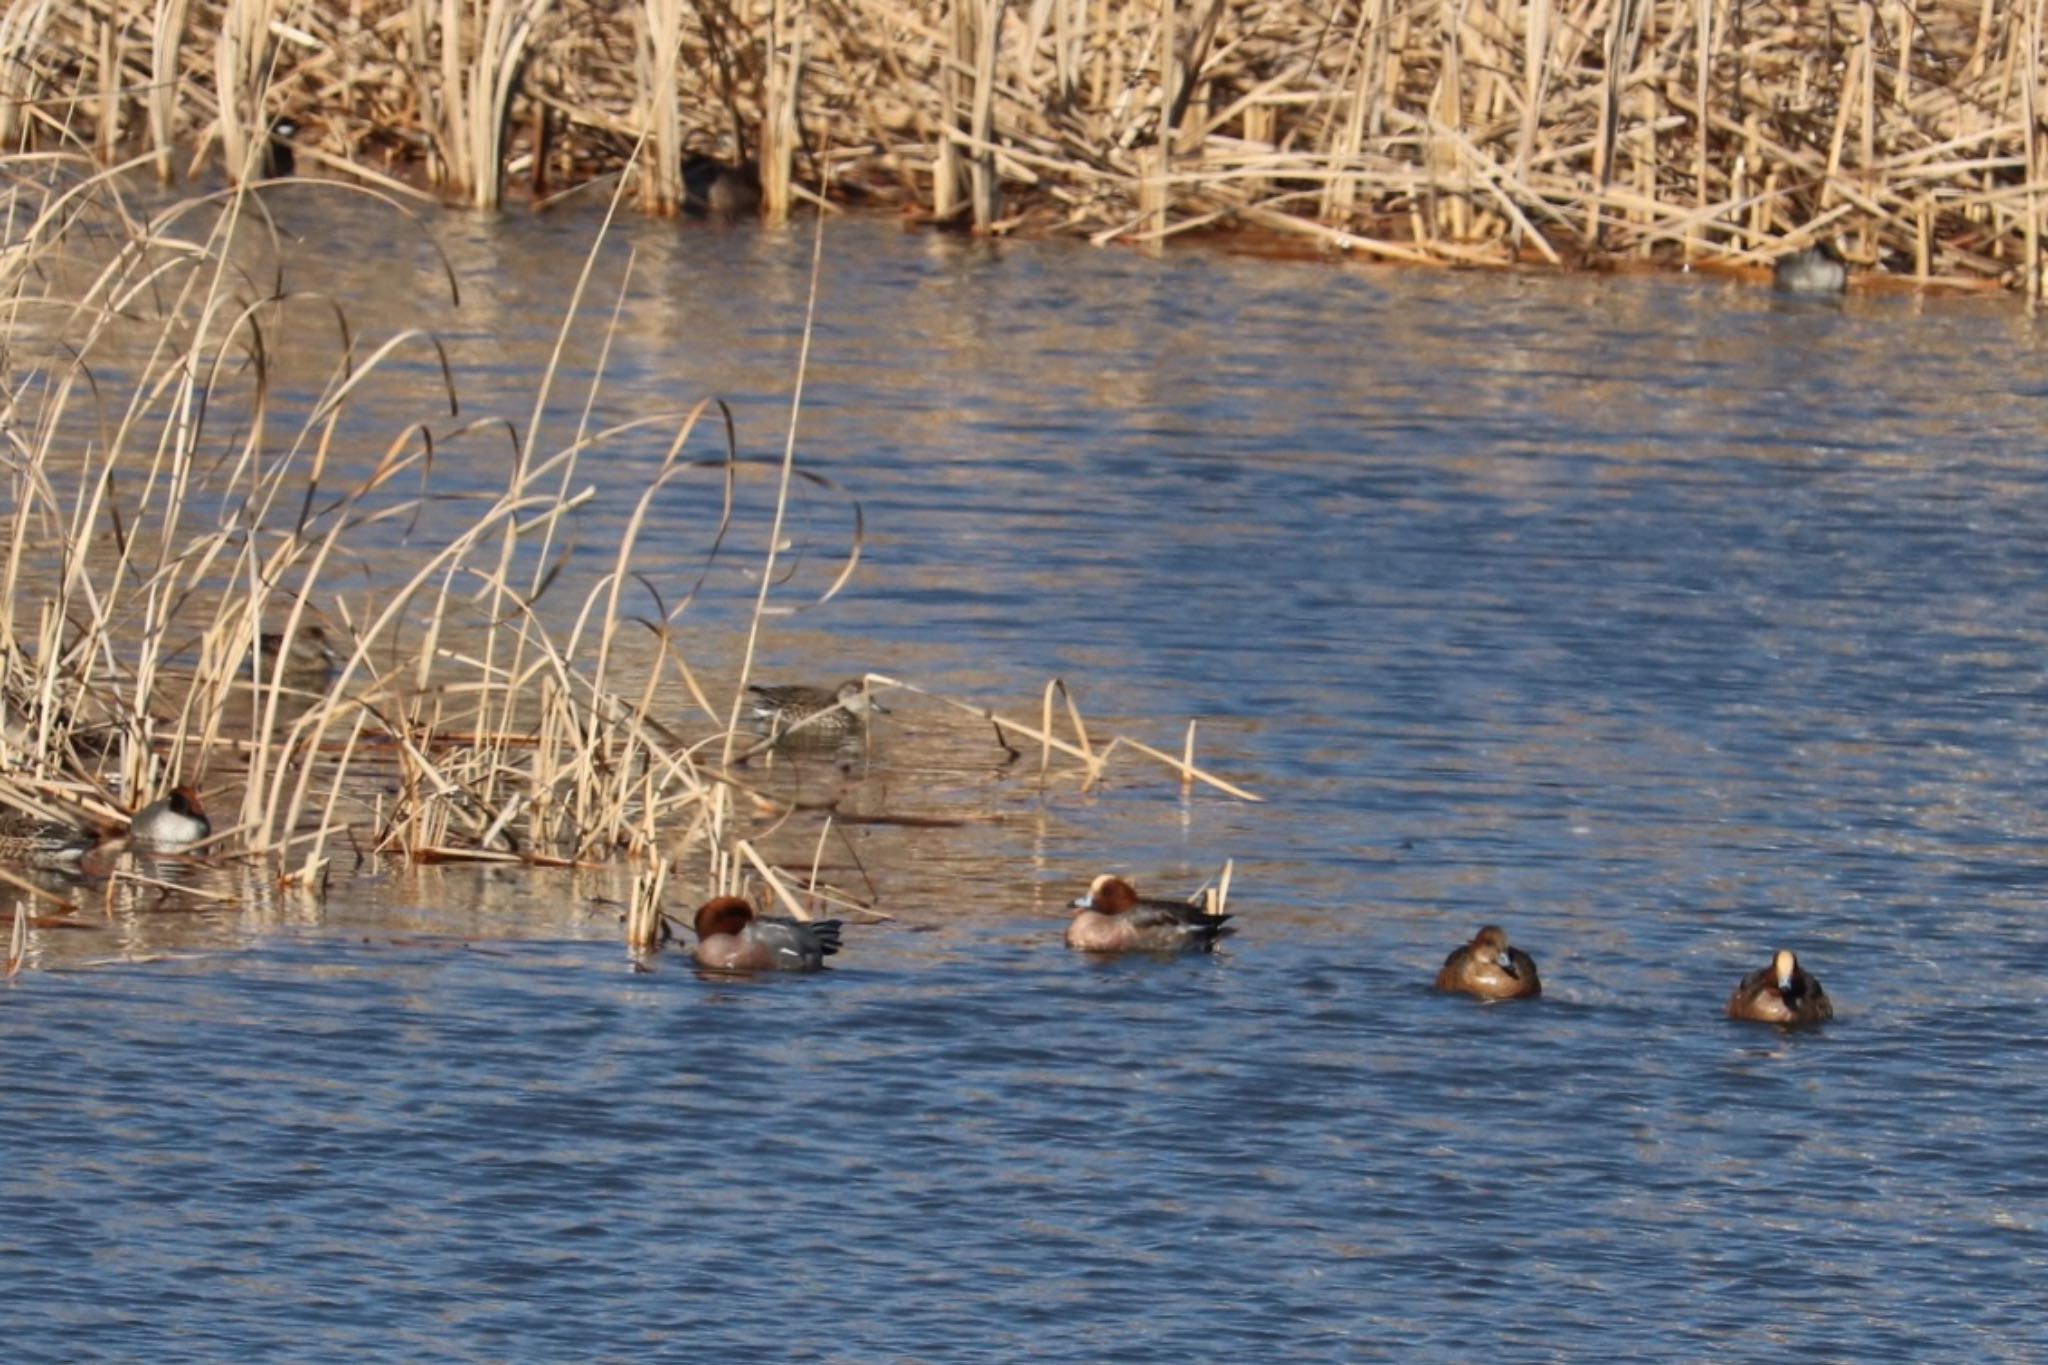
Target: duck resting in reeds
{"type": "Point", "coordinates": [279, 157]}
{"type": "Point", "coordinates": [174, 821]}
{"type": "Point", "coordinates": [1818, 270]}
{"type": "Point", "coordinates": [713, 189]}
{"type": "Point", "coordinates": [309, 661]}
{"type": "Point", "coordinates": [1114, 918]}
{"type": "Point", "coordinates": [40, 841]}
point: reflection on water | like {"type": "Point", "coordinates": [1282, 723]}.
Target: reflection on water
{"type": "Point", "coordinates": [1657, 621]}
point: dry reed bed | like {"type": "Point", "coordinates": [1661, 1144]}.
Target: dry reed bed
{"type": "Point", "coordinates": [176, 521]}
{"type": "Point", "coordinates": [1478, 131]}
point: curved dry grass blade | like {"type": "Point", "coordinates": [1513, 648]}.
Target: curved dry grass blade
{"type": "Point", "coordinates": [768, 874]}
{"type": "Point", "coordinates": [1187, 771]}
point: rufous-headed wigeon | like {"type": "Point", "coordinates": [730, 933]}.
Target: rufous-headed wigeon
{"type": "Point", "coordinates": [1114, 918]}
{"type": "Point", "coordinates": [732, 938]}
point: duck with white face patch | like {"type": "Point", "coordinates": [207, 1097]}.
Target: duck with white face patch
{"type": "Point", "coordinates": [1782, 993]}
{"type": "Point", "coordinates": [1114, 918]}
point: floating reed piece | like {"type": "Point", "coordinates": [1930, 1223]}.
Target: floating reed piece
{"type": "Point", "coordinates": [1472, 131]}
{"type": "Point", "coordinates": [17, 941]}
{"type": "Point", "coordinates": [1214, 895]}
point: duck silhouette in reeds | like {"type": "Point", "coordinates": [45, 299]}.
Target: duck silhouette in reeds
{"type": "Point", "coordinates": [1815, 272]}
{"type": "Point", "coordinates": [714, 189]}
{"type": "Point", "coordinates": [280, 159]}
{"type": "Point", "coordinates": [309, 660]}
{"type": "Point", "coordinates": [42, 842]}
{"type": "Point", "coordinates": [175, 821]}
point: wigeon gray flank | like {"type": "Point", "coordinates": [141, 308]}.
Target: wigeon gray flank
{"type": "Point", "coordinates": [1114, 918]}
{"type": "Point", "coordinates": [732, 938]}
{"type": "Point", "coordinates": [1782, 993]}
{"type": "Point", "coordinates": [1489, 968]}
{"type": "Point", "coordinates": [170, 823]}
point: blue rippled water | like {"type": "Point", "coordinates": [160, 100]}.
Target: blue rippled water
{"type": "Point", "coordinates": [1655, 620]}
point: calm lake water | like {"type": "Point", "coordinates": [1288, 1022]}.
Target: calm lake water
{"type": "Point", "coordinates": [1657, 620]}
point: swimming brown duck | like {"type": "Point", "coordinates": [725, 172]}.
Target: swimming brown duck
{"type": "Point", "coordinates": [1490, 968]}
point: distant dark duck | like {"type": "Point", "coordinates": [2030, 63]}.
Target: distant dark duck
{"type": "Point", "coordinates": [815, 715]}
{"type": "Point", "coordinates": [40, 842]}
{"type": "Point", "coordinates": [1816, 270]}
{"type": "Point", "coordinates": [1489, 968]}
{"type": "Point", "coordinates": [1782, 993]}
{"type": "Point", "coordinates": [713, 189]}
{"type": "Point", "coordinates": [732, 938]}
{"type": "Point", "coordinates": [171, 823]}
{"type": "Point", "coordinates": [279, 159]}
{"type": "Point", "coordinates": [308, 663]}
{"type": "Point", "coordinates": [1114, 918]}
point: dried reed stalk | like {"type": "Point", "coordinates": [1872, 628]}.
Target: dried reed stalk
{"type": "Point", "coordinates": [243, 57]}
{"type": "Point", "coordinates": [1458, 130]}
{"type": "Point", "coordinates": [643, 915]}
{"type": "Point", "coordinates": [658, 57]}
{"type": "Point", "coordinates": [787, 33]}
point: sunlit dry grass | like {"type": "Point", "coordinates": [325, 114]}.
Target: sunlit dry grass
{"type": "Point", "coordinates": [188, 592]}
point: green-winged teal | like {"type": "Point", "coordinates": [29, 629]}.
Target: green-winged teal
{"type": "Point", "coordinates": [40, 841]}
{"type": "Point", "coordinates": [308, 663]}
{"type": "Point", "coordinates": [815, 715]}
{"type": "Point", "coordinates": [279, 159]}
